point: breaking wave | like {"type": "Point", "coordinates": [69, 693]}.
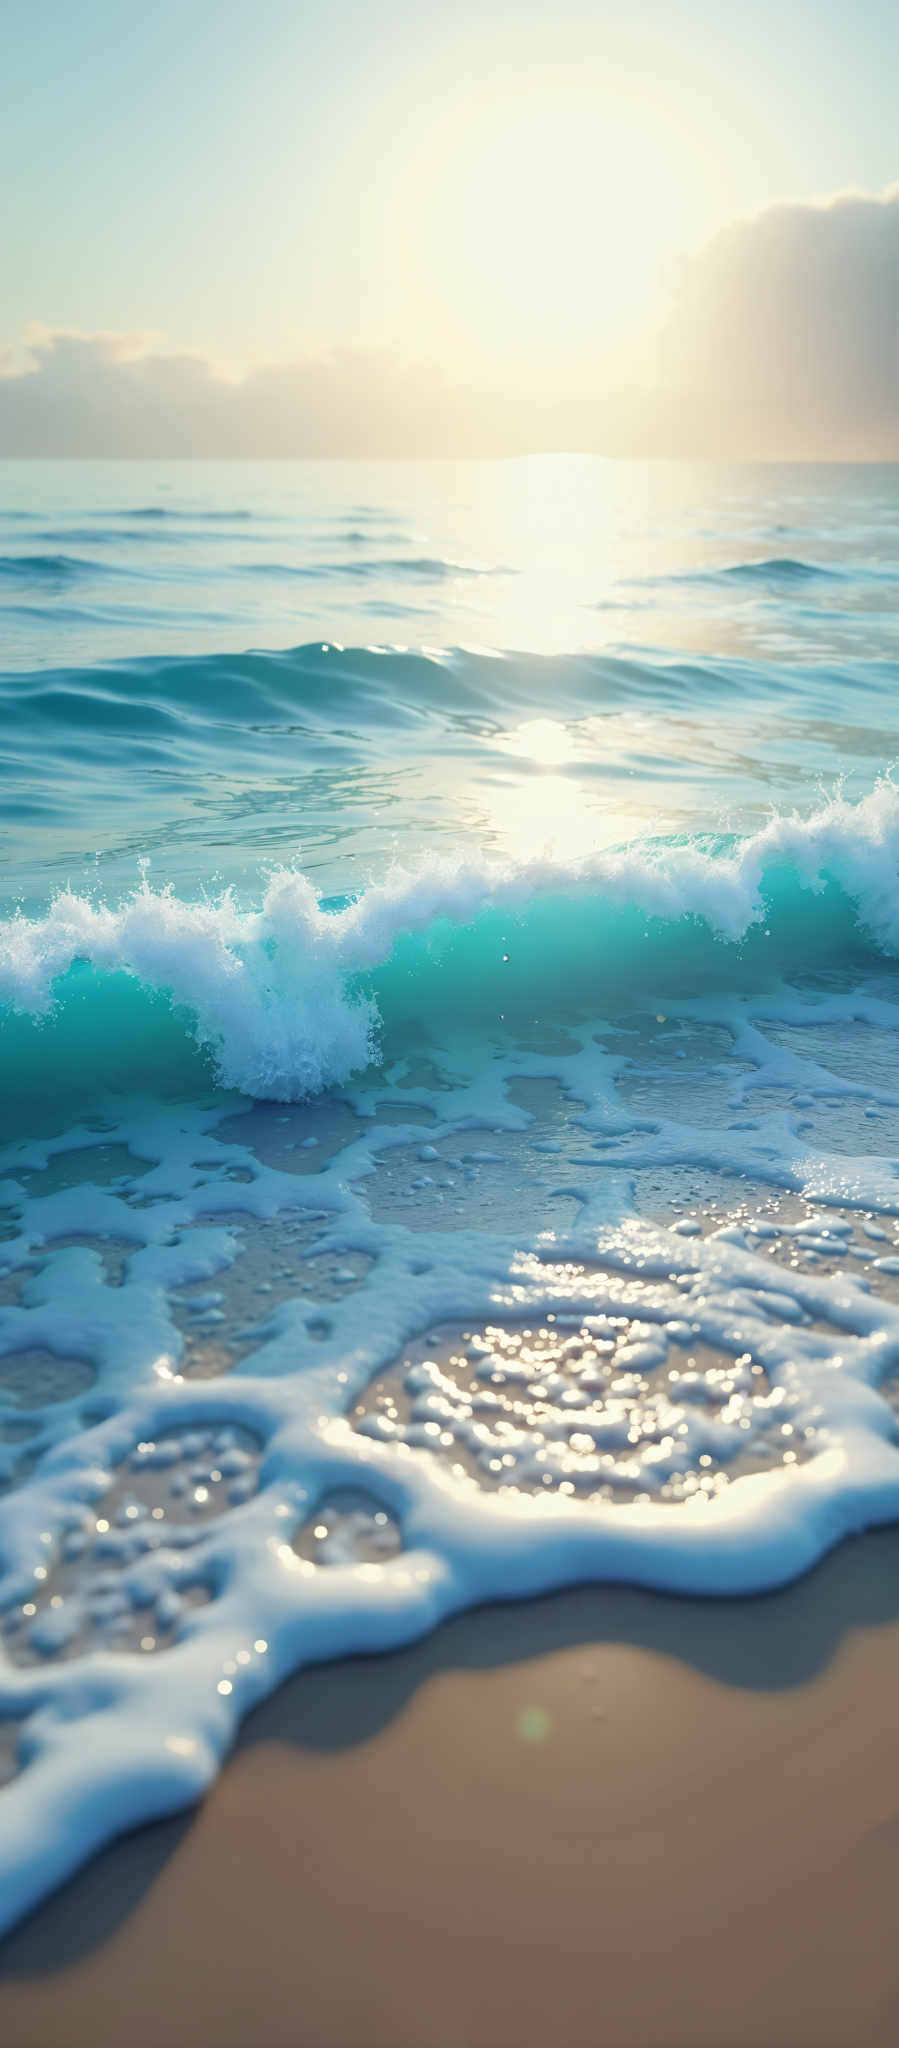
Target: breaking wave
{"type": "Point", "coordinates": [289, 997]}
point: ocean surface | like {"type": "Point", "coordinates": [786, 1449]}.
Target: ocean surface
{"type": "Point", "coordinates": [449, 985]}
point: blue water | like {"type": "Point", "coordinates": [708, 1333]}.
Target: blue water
{"type": "Point", "coordinates": [437, 899]}
{"type": "Point", "coordinates": [707, 643]}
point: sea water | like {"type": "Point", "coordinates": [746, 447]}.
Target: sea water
{"type": "Point", "coordinates": [448, 1010]}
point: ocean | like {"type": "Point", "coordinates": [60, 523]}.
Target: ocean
{"type": "Point", "coordinates": [448, 1010]}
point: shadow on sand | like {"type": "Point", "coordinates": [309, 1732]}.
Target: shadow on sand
{"type": "Point", "coordinates": [770, 1643]}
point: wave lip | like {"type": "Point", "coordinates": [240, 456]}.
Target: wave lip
{"type": "Point", "coordinates": [780, 568]}
{"type": "Point", "coordinates": [385, 683]}
{"type": "Point", "coordinates": [53, 568]}
{"type": "Point", "coordinates": [178, 512]}
{"type": "Point", "coordinates": [41, 567]}
{"type": "Point", "coordinates": [782, 571]}
{"type": "Point", "coordinates": [424, 568]}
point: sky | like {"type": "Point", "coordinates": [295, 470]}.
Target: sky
{"type": "Point", "coordinates": [391, 226]}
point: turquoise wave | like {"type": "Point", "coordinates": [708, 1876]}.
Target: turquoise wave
{"type": "Point", "coordinates": [294, 995]}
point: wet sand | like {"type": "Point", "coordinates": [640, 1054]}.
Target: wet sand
{"type": "Point", "coordinates": [609, 1819]}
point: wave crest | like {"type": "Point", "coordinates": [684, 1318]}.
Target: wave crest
{"type": "Point", "coordinates": [288, 997]}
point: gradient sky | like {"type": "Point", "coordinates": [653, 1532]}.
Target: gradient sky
{"type": "Point", "coordinates": [456, 226]}
{"type": "Point", "coordinates": [240, 178]}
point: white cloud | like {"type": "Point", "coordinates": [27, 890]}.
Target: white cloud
{"type": "Point", "coordinates": [785, 337]}
{"type": "Point", "coordinates": [109, 394]}
{"type": "Point", "coordinates": [782, 341]}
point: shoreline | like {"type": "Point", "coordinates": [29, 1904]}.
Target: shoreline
{"type": "Point", "coordinates": [605, 1816]}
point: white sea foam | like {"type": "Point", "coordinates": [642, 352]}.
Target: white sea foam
{"type": "Point", "coordinates": [192, 1624]}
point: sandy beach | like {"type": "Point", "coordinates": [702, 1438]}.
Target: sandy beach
{"type": "Point", "coordinates": [609, 1817]}
{"type": "Point", "coordinates": [449, 1025]}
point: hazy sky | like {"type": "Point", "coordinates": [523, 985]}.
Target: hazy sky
{"type": "Point", "coordinates": [504, 197]}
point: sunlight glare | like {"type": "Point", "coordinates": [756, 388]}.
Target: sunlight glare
{"type": "Point", "coordinates": [542, 740]}
{"type": "Point", "coordinates": [560, 210]}
{"type": "Point", "coordinates": [550, 814]}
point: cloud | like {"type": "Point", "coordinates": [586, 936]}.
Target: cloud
{"type": "Point", "coordinates": [784, 339]}
{"type": "Point", "coordinates": [781, 342]}
{"type": "Point", "coordinates": [115, 394]}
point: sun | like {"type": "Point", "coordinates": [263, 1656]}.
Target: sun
{"type": "Point", "coordinates": [553, 216]}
